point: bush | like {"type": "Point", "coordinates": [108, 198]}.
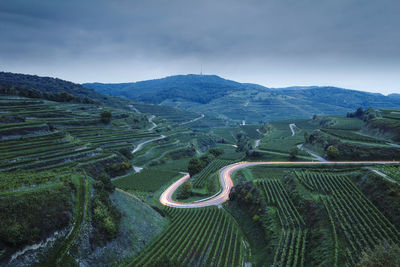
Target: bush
{"type": "Point", "coordinates": [332, 152]}
{"type": "Point", "coordinates": [384, 255]}
{"type": "Point", "coordinates": [256, 218]}
{"type": "Point", "coordinates": [105, 116]}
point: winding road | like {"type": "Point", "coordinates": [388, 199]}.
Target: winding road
{"type": "Point", "coordinates": [227, 184]}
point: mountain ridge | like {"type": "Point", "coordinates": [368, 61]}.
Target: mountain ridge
{"type": "Point", "coordinates": [225, 98]}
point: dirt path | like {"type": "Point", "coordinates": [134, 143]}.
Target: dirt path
{"type": "Point", "coordinates": [140, 146]}
{"type": "Point", "coordinates": [196, 119]}
{"type": "Point", "coordinates": [153, 124]}
{"type": "Point", "coordinates": [291, 126]}
{"type": "Point", "coordinates": [384, 176]}
{"type": "Point", "coordinates": [316, 156]}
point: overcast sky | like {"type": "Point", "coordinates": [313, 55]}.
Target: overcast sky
{"type": "Point", "coordinates": [346, 43]}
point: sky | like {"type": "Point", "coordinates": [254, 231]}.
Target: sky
{"type": "Point", "coordinates": [276, 43]}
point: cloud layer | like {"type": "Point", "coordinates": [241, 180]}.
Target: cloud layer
{"type": "Point", "coordinates": [348, 43]}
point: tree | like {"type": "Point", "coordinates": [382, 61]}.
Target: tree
{"type": "Point", "coordinates": [383, 255]}
{"type": "Point", "coordinates": [185, 190]}
{"type": "Point", "coordinates": [293, 152]}
{"type": "Point", "coordinates": [332, 152]}
{"type": "Point", "coordinates": [105, 116]}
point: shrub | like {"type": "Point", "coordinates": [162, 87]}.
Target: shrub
{"type": "Point", "coordinates": [332, 152]}
{"type": "Point", "coordinates": [384, 255]}
{"type": "Point", "coordinates": [105, 116]}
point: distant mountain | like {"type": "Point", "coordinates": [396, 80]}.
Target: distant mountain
{"type": "Point", "coordinates": [219, 97]}
{"type": "Point", "coordinates": [194, 88]}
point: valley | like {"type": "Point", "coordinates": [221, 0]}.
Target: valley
{"type": "Point", "coordinates": [128, 183]}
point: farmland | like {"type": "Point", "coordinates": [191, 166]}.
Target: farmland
{"type": "Point", "coordinates": [349, 224]}
{"type": "Point", "coordinates": [207, 237]}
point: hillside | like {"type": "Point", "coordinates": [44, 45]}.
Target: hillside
{"type": "Point", "coordinates": [56, 162]}
{"type": "Point", "coordinates": [210, 94]}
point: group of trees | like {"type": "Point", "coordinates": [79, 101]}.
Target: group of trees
{"type": "Point", "coordinates": [62, 96]}
{"type": "Point", "coordinates": [243, 142]}
{"type": "Point", "coordinates": [330, 144]}
{"type": "Point", "coordinates": [47, 88]}
{"type": "Point", "coordinates": [248, 198]}
{"type": "Point", "coordinates": [365, 115]}
{"type": "Point", "coordinates": [185, 190]}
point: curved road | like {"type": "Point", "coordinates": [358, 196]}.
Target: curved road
{"type": "Point", "coordinates": [227, 184]}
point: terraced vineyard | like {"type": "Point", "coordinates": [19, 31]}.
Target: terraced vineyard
{"type": "Point", "coordinates": [350, 124]}
{"type": "Point", "coordinates": [356, 222]}
{"type": "Point", "coordinates": [169, 113]}
{"type": "Point", "coordinates": [351, 135]}
{"type": "Point", "coordinates": [196, 237]}
{"type": "Point", "coordinates": [391, 113]}
{"type": "Point", "coordinates": [292, 242]}
{"type": "Point", "coordinates": [44, 135]}
{"type": "Point", "coordinates": [51, 155]}
{"type": "Point", "coordinates": [199, 180]}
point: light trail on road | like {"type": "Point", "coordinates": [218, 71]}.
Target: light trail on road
{"type": "Point", "coordinates": [227, 183]}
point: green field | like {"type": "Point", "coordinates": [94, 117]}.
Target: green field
{"type": "Point", "coordinates": [205, 237]}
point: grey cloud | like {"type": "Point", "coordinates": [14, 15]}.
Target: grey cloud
{"type": "Point", "coordinates": [125, 40]}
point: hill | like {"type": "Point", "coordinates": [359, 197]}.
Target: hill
{"type": "Point", "coordinates": [253, 103]}
{"type": "Point", "coordinates": [53, 89]}
{"type": "Point", "coordinates": [194, 88]}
